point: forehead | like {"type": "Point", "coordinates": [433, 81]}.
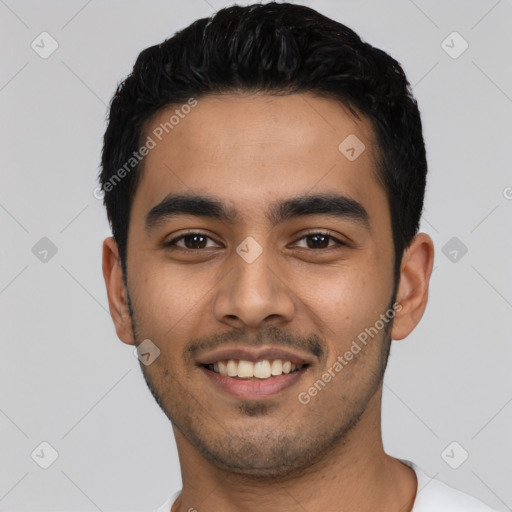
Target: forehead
{"type": "Point", "coordinates": [252, 149]}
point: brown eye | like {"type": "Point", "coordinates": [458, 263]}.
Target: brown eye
{"type": "Point", "coordinates": [320, 241]}
{"type": "Point", "coordinates": [192, 241]}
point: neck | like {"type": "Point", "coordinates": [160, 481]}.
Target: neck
{"type": "Point", "coordinates": [356, 475]}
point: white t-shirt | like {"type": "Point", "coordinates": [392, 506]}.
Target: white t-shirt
{"type": "Point", "coordinates": [432, 496]}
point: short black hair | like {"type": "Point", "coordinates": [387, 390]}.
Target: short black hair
{"type": "Point", "coordinates": [273, 48]}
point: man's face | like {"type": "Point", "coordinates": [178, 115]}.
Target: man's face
{"type": "Point", "coordinates": [262, 276]}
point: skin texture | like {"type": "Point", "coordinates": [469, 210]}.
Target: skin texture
{"type": "Point", "coordinates": [312, 295]}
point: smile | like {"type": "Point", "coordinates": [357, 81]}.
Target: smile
{"type": "Point", "coordinates": [264, 369]}
{"type": "Point", "coordinates": [244, 382]}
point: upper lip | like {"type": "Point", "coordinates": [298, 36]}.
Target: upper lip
{"type": "Point", "coordinates": [253, 354]}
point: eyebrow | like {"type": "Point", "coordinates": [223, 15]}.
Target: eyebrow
{"type": "Point", "coordinates": [334, 205]}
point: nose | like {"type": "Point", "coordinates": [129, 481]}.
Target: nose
{"type": "Point", "coordinates": [253, 294]}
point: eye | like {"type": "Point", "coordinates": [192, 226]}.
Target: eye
{"type": "Point", "coordinates": [320, 240]}
{"type": "Point", "coordinates": [196, 240]}
{"type": "Point", "coordinates": [191, 241]}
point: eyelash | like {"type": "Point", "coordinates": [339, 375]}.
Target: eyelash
{"type": "Point", "coordinates": [312, 233]}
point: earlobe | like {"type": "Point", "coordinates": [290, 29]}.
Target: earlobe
{"type": "Point", "coordinates": [412, 293]}
{"type": "Point", "coordinates": [116, 291]}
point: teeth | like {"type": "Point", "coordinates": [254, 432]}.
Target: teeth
{"type": "Point", "coordinates": [262, 369]}
{"type": "Point", "coordinates": [277, 367]}
{"type": "Point", "coordinates": [247, 369]}
{"type": "Point", "coordinates": [223, 368]}
{"type": "Point", "coordinates": [232, 368]}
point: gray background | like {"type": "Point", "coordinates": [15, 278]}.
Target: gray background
{"type": "Point", "coordinates": [65, 377]}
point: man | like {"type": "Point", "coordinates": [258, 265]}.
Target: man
{"type": "Point", "coordinates": [264, 173]}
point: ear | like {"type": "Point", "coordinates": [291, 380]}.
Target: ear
{"type": "Point", "coordinates": [412, 293]}
{"type": "Point", "coordinates": [116, 291]}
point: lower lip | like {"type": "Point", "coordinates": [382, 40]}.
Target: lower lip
{"type": "Point", "coordinates": [253, 389]}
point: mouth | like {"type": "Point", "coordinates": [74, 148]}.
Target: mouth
{"type": "Point", "coordinates": [263, 369]}
{"type": "Point", "coordinates": [252, 380]}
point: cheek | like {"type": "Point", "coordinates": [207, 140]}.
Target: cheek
{"type": "Point", "coordinates": [344, 302]}
{"type": "Point", "coordinates": [168, 299]}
